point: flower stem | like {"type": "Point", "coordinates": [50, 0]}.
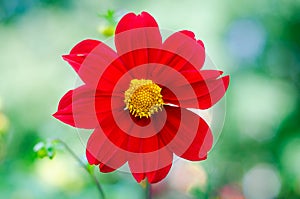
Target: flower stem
{"type": "Point", "coordinates": [148, 191]}
{"type": "Point", "coordinates": [83, 165]}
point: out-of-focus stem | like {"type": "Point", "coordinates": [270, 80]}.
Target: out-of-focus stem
{"type": "Point", "coordinates": [83, 165]}
{"type": "Point", "coordinates": [148, 191]}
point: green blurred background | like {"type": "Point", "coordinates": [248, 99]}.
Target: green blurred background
{"type": "Point", "coordinates": [256, 42]}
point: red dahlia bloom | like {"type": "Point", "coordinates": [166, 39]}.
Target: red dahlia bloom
{"type": "Point", "coordinates": [136, 98]}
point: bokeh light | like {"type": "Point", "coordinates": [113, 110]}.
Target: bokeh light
{"type": "Point", "coordinates": [256, 42]}
{"type": "Point", "coordinates": [261, 182]}
{"type": "Point", "coordinates": [246, 39]}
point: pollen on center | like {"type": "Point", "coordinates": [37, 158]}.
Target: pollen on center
{"type": "Point", "coordinates": [143, 98]}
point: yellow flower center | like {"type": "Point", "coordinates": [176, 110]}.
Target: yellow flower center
{"type": "Point", "coordinates": [143, 98]}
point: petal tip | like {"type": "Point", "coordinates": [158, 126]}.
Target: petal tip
{"type": "Point", "coordinates": [55, 115]}
{"type": "Point", "coordinates": [64, 57]}
{"type": "Point", "coordinates": [132, 21]}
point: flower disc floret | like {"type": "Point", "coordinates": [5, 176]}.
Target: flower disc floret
{"type": "Point", "coordinates": [143, 98]}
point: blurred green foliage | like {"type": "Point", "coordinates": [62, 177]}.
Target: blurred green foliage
{"type": "Point", "coordinates": [256, 42]}
{"type": "Point", "coordinates": [12, 9]}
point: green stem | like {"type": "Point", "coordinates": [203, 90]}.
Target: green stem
{"type": "Point", "coordinates": [148, 190]}
{"type": "Point", "coordinates": [83, 165]}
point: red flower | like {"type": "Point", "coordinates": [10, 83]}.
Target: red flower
{"type": "Point", "coordinates": [136, 99]}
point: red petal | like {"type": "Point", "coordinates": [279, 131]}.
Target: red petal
{"type": "Point", "coordinates": [158, 175]}
{"type": "Point", "coordinates": [201, 144]}
{"type": "Point", "coordinates": [217, 90]}
{"type": "Point", "coordinates": [93, 161]}
{"type": "Point", "coordinates": [153, 176]}
{"type": "Point", "coordinates": [153, 166]}
{"type": "Point", "coordinates": [90, 158]}
{"type": "Point", "coordinates": [135, 35]}
{"type": "Point", "coordinates": [181, 51]}
{"type": "Point", "coordinates": [133, 21]}
{"type": "Point", "coordinates": [127, 129]}
{"type": "Point", "coordinates": [77, 107]}
{"type": "Point", "coordinates": [106, 169]}
{"type": "Point", "coordinates": [192, 35]}
{"type": "Point", "coordinates": [101, 151]}
{"type": "Point", "coordinates": [139, 140]}
{"type": "Point", "coordinates": [194, 76]}
{"type": "Point", "coordinates": [82, 99]}
{"type": "Point", "coordinates": [138, 176]}
{"type": "Point", "coordinates": [193, 140]}
{"type": "Point", "coordinates": [202, 90]}
{"type": "Point", "coordinates": [79, 53]}
{"type": "Point", "coordinates": [90, 58]}
{"type": "Point", "coordinates": [111, 77]}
